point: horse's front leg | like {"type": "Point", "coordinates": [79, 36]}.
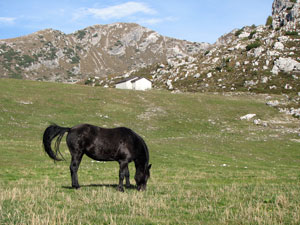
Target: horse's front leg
{"type": "Point", "coordinates": [127, 177]}
{"type": "Point", "coordinates": [122, 173]}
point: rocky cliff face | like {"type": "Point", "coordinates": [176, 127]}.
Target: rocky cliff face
{"type": "Point", "coordinates": [99, 50]}
{"type": "Point", "coordinates": [286, 14]}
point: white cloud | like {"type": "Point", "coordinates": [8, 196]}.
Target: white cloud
{"type": "Point", "coordinates": [7, 20]}
{"type": "Point", "coordinates": [153, 21]}
{"type": "Point", "coordinates": [116, 12]}
{"type": "Point", "coordinates": [150, 21]}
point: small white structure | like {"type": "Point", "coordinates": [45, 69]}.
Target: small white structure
{"type": "Point", "coordinates": [135, 83]}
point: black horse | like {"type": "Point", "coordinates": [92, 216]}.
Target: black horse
{"type": "Point", "coordinates": [118, 144]}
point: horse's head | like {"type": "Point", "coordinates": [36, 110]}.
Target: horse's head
{"type": "Point", "coordinates": [141, 177]}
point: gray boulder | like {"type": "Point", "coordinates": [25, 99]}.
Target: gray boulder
{"type": "Point", "coordinates": [285, 65]}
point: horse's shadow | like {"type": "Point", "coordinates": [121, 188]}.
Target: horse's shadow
{"type": "Point", "coordinates": [114, 186]}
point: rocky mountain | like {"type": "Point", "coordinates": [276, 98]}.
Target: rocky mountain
{"type": "Point", "coordinates": [99, 50]}
{"type": "Point", "coordinates": [259, 59]}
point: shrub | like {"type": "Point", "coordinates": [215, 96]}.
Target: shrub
{"type": "Point", "coordinates": [75, 59]}
{"type": "Point", "coordinates": [25, 61]}
{"type": "Point", "coordinates": [81, 34]}
{"type": "Point", "coordinates": [291, 33]}
{"type": "Point", "coordinates": [118, 43]}
{"type": "Point", "coordinates": [68, 51]}
{"type": "Point", "coordinates": [15, 75]}
{"type": "Point", "coordinates": [252, 34]}
{"type": "Point", "coordinates": [255, 44]}
{"type": "Point", "coordinates": [88, 81]}
{"type": "Point", "coordinates": [238, 32]}
{"type": "Point", "coordinates": [218, 68]}
{"type": "Point", "coordinates": [3, 47]}
{"type": "Point", "coordinates": [9, 55]}
{"type": "Point", "coordinates": [269, 21]}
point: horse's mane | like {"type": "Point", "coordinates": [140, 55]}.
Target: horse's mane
{"type": "Point", "coordinates": [145, 148]}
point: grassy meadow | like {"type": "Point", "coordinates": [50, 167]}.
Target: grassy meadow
{"type": "Point", "coordinates": [208, 166]}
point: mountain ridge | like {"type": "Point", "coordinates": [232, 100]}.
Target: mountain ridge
{"type": "Point", "coordinates": [98, 50]}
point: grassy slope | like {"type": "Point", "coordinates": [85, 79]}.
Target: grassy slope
{"type": "Point", "coordinates": [209, 167]}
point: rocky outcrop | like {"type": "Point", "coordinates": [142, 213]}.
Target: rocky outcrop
{"type": "Point", "coordinates": [285, 14]}
{"type": "Point", "coordinates": [100, 50]}
{"type": "Point", "coordinates": [285, 65]}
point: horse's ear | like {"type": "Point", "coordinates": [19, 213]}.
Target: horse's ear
{"type": "Point", "coordinates": [149, 167]}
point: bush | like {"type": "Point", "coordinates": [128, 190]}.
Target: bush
{"type": "Point", "coordinates": [15, 75]}
{"type": "Point", "coordinates": [81, 34]}
{"type": "Point", "coordinates": [255, 44]}
{"type": "Point", "coordinates": [75, 59]}
{"type": "Point", "coordinates": [291, 33]}
{"type": "Point", "coordinates": [9, 55]}
{"type": "Point", "coordinates": [252, 34]}
{"type": "Point", "coordinates": [238, 32]}
{"type": "Point", "coordinates": [25, 61]}
{"type": "Point", "coordinates": [218, 68]}
{"type": "Point", "coordinates": [269, 21]}
{"type": "Point", "coordinates": [88, 82]}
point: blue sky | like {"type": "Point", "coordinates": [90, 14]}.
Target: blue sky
{"type": "Point", "coordinates": [193, 20]}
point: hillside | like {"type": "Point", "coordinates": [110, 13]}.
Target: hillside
{"type": "Point", "coordinates": [208, 165]}
{"type": "Point", "coordinates": [99, 50]}
{"type": "Point", "coordinates": [259, 59]}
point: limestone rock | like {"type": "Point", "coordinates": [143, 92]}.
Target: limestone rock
{"type": "Point", "coordinates": [285, 14]}
{"type": "Point", "coordinates": [285, 65]}
{"type": "Point", "coordinates": [273, 103]}
{"type": "Point", "coordinates": [248, 116]}
{"type": "Point", "coordinates": [279, 46]}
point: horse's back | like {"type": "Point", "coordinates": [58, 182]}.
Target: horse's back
{"type": "Point", "coordinates": [100, 131]}
{"type": "Point", "coordinates": [103, 144]}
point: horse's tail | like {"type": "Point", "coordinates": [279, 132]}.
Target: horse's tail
{"type": "Point", "coordinates": [50, 133]}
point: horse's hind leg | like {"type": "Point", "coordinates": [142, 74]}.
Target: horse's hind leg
{"type": "Point", "coordinates": [127, 177]}
{"type": "Point", "coordinates": [75, 162]}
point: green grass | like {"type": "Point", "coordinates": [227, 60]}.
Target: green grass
{"type": "Point", "coordinates": [209, 167]}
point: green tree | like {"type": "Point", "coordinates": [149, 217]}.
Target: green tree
{"type": "Point", "coordinates": [269, 21]}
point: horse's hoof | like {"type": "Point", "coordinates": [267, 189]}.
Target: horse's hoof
{"type": "Point", "coordinates": [76, 187]}
{"type": "Point", "coordinates": [121, 189]}
{"type": "Point", "coordinates": [128, 186]}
